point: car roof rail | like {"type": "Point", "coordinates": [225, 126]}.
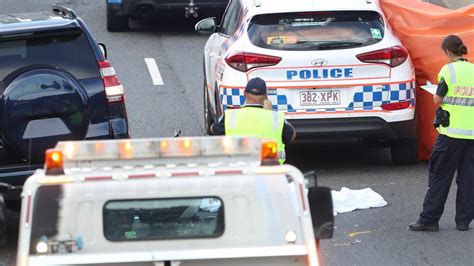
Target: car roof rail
{"type": "Point", "coordinates": [64, 11]}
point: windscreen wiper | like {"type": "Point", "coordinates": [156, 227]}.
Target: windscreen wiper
{"type": "Point", "coordinates": [332, 45]}
{"type": "Point", "coordinates": [323, 45]}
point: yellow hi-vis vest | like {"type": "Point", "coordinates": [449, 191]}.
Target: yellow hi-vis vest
{"type": "Point", "coordinates": [256, 122]}
{"type": "Point", "coordinates": [459, 100]}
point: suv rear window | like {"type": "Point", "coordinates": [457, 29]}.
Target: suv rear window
{"type": "Point", "coordinates": [316, 30]}
{"type": "Point", "coordinates": [71, 52]}
{"type": "Point", "coordinates": [156, 219]}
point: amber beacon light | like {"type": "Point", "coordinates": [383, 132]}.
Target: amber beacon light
{"type": "Point", "coordinates": [54, 163]}
{"type": "Point", "coordinates": [269, 153]}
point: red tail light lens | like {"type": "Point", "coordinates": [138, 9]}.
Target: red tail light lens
{"type": "Point", "coordinates": [113, 89]}
{"type": "Point", "coordinates": [396, 106]}
{"type": "Point", "coordinates": [393, 56]}
{"type": "Point", "coordinates": [246, 61]}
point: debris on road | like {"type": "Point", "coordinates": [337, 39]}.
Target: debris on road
{"type": "Point", "coordinates": [358, 233]}
{"type": "Point", "coordinates": [348, 200]}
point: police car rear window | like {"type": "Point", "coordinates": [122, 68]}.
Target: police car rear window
{"type": "Point", "coordinates": [160, 219]}
{"type": "Point", "coordinates": [316, 30]}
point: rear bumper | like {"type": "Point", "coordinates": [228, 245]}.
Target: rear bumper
{"type": "Point", "coordinates": [367, 128]}
{"type": "Point", "coordinates": [148, 8]}
{"type": "Point", "coordinates": [15, 173]}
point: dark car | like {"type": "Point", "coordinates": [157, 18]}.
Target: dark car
{"type": "Point", "coordinates": [55, 84]}
{"type": "Point", "coordinates": [119, 11]}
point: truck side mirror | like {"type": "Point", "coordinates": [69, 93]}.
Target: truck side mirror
{"type": "Point", "coordinates": [322, 216]}
{"type": "Point", "coordinates": [206, 26]}
{"type": "Point", "coordinates": [310, 179]}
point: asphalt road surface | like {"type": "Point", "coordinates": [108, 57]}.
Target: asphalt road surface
{"type": "Point", "coordinates": [365, 237]}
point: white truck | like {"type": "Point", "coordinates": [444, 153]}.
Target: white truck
{"type": "Point", "coordinates": [178, 201]}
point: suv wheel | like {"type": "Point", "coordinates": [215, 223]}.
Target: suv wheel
{"type": "Point", "coordinates": [404, 152]}
{"type": "Point", "coordinates": [208, 116]}
{"type": "Point", "coordinates": [116, 23]}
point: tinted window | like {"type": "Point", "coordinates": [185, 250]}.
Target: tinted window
{"type": "Point", "coordinates": [71, 52]}
{"type": "Point", "coordinates": [231, 18]}
{"type": "Point", "coordinates": [46, 209]}
{"type": "Point", "coordinates": [316, 30]}
{"type": "Point", "coordinates": [163, 219]}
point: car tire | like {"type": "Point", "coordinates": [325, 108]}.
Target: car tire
{"type": "Point", "coordinates": [3, 223]}
{"type": "Point", "coordinates": [208, 116]}
{"type": "Point", "coordinates": [116, 23]}
{"type": "Point", "coordinates": [404, 152]}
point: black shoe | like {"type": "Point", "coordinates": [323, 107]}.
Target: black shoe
{"type": "Point", "coordinates": [462, 227]}
{"type": "Point", "coordinates": [423, 227]}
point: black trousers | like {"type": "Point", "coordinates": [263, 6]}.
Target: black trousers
{"type": "Point", "coordinates": [450, 155]}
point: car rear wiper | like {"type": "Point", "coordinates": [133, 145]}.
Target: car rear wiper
{"type": "Point", "coordinates": [322, 45]}
{"type": "Point", "coordinates": [331, 45]}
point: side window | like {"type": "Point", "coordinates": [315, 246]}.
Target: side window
{"type": "Point", "coordinates": [231, 18]}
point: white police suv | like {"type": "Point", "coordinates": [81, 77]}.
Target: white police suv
{"type": "Point", "coordinates": [334, 67]}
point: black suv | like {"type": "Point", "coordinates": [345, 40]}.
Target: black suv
{"type": "Point", "coordinates": [55, 84]}
{"type": "Point", "coordinates": [119, 11]}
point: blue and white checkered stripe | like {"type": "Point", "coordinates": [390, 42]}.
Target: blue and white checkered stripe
{"type": "Point", "coordinates": [365, 98]}
{"type": "Point", "coordinates": [235, 97]}
{"type": "Point", "coordinates": [368, 97]}
{"type": "Point", "coordinates": [231, 97]}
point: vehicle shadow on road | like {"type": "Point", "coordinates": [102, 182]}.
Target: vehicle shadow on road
{"type": "Point", "coordinates": [337, 154]}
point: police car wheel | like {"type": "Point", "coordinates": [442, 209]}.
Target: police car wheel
{"type": "Point", "coordinates": [404, 152]}
{"type": "Point", "coordinates": [208, 116]}
{"type": "Point", "coordinates": [3, 223]}
{"type": "Point", "coordinates": [116, 23]}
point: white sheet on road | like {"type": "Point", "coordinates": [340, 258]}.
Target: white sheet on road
{"type": "Point", "coordinates": [348, 200]}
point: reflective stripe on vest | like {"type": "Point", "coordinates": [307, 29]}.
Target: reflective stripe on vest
{"type": "Point", "coordinates": [458, 131]}
{"type": "Point", "coordinates": [452, 73]}
{"type": "Point", "coordinates": [459, 99]}
{"type": "Point", "coordinates": [275, 120]}
{"type": "Point", "coordinates": [232, 119]}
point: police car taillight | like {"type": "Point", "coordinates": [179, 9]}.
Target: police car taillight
{"type": "Point", "coordinates": [393, 56]}
{"type": "Point", "coordinates": [396, 106]}
{"type": "Point", "coordinates": [246, 61]}
{"type": "Point", "coordinates": [113, 89]}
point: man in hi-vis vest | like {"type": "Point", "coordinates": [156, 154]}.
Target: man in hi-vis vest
{"type": "Point", "coordinates": [256, 118]}
{"type": "Point", "coordinates": [454, 147]}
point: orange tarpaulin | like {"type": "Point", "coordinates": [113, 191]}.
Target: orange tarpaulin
{"type": "Point", "coordinates": [422, 27]}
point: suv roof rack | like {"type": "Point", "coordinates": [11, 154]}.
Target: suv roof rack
{"type": "Point", "coordinates": [64, 11]}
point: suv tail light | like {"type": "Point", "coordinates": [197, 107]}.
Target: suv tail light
{"type": "Point", "coordinates": [113, 89]}
{"type": "Point", "coordinates": [246, 61]}
{"type": "Point", "coordinates": [396, 106]}
{"type": "Point", "coordinates": [393, 56]}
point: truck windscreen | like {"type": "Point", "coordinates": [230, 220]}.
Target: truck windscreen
{"type": "Point", "coordinates": [156, 219]}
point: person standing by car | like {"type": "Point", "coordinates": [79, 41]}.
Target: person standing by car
{"type": "Point", "coordinates": [454, 147]}
{"type": "Point", "coordinates": [256, 118]}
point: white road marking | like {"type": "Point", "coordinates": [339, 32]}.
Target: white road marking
{"type": "Point", "coordinates": [154, 71]}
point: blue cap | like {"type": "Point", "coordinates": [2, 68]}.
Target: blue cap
{"type": "Point", "coordinates": [256, 86]}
